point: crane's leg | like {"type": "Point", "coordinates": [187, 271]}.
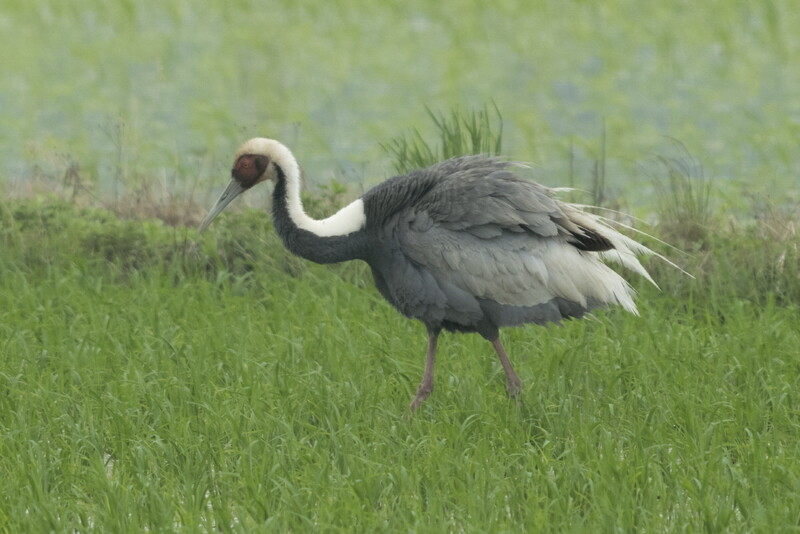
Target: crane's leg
{"type": "Point", "coordinates": [513, 383]}
{"type": "Point", "coordinates": [426, 386]}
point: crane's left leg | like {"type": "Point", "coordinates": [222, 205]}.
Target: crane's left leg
{"type": "Point", "coordinates": [426, 386]}
{"type": "Point", "coordinates": [513, 383]}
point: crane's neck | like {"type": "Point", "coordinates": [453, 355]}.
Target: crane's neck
{"type": "Point", "coordinates": [337, 238]}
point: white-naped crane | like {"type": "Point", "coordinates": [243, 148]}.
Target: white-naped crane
{"type": "Point", "coordinates": [465, 245]}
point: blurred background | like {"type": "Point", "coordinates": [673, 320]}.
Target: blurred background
{"type": "Point", "coordinates": [115, 95]}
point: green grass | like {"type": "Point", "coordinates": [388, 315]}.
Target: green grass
{"type": "Point", "coordinates": [460, 133]}
{"type": "Point", "coordinates": [229, 386]}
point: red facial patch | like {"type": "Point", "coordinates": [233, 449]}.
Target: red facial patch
{"type": "Point", "coordinates": [248, 169]}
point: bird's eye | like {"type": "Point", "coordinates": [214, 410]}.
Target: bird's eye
{"type": "Point", "coordinates": [248, 168]}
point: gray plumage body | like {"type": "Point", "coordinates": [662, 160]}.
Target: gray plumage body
{"type": "Point", "coordinates": [465, 245]}
{"type": "Point", "coordinates": [454, 245]}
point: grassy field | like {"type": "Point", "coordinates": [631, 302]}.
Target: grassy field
{"type": "Point", "coordinates": [155, 380]}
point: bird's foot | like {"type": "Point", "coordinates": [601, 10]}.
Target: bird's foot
{"type": "Point", "coordinates": [423, 393]}
{"type": "Point", "coordinates": [513, 386]}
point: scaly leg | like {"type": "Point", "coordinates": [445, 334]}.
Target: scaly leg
{"type": "Point", "coordinates": [426, 386]}
{"type": "Point", "coordinates": [513, 383]}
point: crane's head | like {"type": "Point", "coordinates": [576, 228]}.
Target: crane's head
{"type": "Point", "coordinates": [257, 160]}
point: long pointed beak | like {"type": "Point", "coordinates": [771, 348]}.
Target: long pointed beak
{"type": "Point", "coordinates": [233, 190]}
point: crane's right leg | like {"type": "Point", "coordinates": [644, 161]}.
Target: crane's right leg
{"type": "Point", "coordinates": [513, 383]}
{"type": "Point", "coordinates": [426, 386]}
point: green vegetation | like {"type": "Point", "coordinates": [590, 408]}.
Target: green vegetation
{"type": "Point", "coordinates": [152, 379]}
{"type": "Point", "coordinates": [460, 133]}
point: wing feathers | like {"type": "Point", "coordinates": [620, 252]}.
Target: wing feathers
{"type": "Point", "coordinates": [481, 231]}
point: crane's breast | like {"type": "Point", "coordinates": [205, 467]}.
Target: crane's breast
{"type": "Point", "coordinates": [419, 292]}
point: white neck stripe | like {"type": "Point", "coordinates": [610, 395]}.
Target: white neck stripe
{"type": "Point", "coordinates": [347, 220]}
